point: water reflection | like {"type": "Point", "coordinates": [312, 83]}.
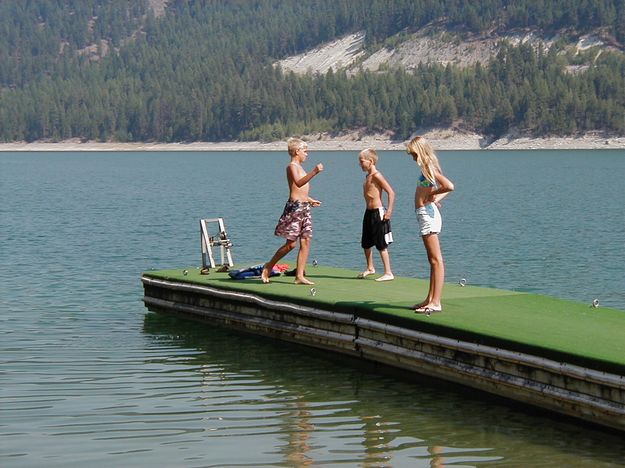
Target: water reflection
{"type": "Point", "coordinates": [299, 433]}
{"type": "Point", "coordinates": [306, 407]}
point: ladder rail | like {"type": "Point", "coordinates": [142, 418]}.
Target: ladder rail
{"type": "Point", "coordinates": [208, 242]}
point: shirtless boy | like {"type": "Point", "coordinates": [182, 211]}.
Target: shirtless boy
{"type": "Point", "coordinates": [376, 224]}
{"type": "Point", "coordinates": [296, 221]}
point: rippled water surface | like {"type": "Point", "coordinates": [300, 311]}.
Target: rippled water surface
{"type": "Point", "coordinates": [88, 377]}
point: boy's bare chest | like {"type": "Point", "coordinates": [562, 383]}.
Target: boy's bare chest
{"type": "Point", "coordinates": [370, 188]}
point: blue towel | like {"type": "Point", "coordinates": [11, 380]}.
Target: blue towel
{"type": "Point", "coordinates": [250, 272]}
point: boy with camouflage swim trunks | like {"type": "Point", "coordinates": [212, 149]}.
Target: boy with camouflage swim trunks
{"type": "Point", "coordinates": [296, 222]}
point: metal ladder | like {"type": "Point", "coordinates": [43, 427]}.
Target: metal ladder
{"type": "Point", "coordinates": [209, 241]}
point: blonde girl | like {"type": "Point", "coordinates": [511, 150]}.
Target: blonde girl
{"type": "Point", "coordinates": [432, 187]}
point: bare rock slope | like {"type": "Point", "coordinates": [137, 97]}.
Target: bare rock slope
{"type": "Point", "coordinates": [424, 46]}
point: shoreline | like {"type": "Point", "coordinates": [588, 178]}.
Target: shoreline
{"type": "Point", "coordinates": [440, 140]}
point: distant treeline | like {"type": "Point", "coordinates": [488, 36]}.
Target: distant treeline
{"type": "Point", "coordinates": [203, 71]}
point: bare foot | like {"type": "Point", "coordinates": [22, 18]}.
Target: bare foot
{"type": "Point", "coordinates": [386, 277]}
{"type": "Point", "coordinates": [366, 273]}
{"type": "Point", "coordinates": [265, 275]}
{"type": "Point", "coordinates": [303, 281]}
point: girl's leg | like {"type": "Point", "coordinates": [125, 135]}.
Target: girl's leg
{"type": "Point", "coordinates": [437, 271]}
{"type": "Point", "coordinates": [302, 258]}
{"type": "Point", "coordinates": [281, 252]}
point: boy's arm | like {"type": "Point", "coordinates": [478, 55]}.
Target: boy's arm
{"type": "Point", "coordinates": [314, 202]}
{"type": "Point", "coordinates": [386, 187]}
{"type": "Point", "coordinates": [305, 179]}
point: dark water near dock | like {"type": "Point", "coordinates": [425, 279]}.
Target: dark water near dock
{"type": "Point", "coordinates": [89, 378]}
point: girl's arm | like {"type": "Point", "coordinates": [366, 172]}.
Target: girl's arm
{"type": "Point", "coordinates": [445, 187]}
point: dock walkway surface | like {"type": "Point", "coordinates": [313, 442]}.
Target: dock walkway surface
{"type": "Point", "coordinates": [557, 354]}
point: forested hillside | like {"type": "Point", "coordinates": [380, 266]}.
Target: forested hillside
{"type": "Point", "coordinates": [110, 70]}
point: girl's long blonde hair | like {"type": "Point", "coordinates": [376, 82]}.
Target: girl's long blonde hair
{"type": "Point", "coordinates": [421, 149]}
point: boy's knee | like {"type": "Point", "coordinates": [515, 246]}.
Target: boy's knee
{"type": "Point", "coordinates": [289, 245]}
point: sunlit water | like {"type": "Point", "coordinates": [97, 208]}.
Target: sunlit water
{"type": "Point", "coordinates": [88, 377]}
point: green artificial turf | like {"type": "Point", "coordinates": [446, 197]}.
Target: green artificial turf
{"type": "Point", "coordinates": [558, 329]}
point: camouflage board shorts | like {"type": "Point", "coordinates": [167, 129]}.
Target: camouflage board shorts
{"type": "Point", "coordinates": [296, 221]}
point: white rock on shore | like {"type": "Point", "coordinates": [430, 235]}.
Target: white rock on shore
{"type": "Point", "coordinates": [441, 139]}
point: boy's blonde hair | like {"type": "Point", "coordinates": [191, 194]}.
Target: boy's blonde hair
{"type": "Point", "coordinates": [370, 154]}
{"type": "Point", "coordinates": [420, 149]}
{"type": "Point", "coordinates": [295, 144]}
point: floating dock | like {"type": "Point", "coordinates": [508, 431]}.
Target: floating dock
{"type": "Point", "coordinates": [556, 354]}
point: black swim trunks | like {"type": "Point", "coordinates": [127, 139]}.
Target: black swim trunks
{"type": "Point", "coordinates": [375, 231]}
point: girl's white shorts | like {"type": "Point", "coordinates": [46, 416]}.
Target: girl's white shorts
{"type": "Point", "coordinates": [429, 219]}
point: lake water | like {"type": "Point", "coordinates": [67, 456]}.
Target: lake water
{"type": "Point", "coordinates": [88, 377]}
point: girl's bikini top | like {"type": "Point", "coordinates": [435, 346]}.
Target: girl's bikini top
{"type": "Point", "coordinates": [424, 182]}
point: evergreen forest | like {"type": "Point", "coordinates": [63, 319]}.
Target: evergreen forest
{"type": "Point", "coordinates": [112, 70]}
